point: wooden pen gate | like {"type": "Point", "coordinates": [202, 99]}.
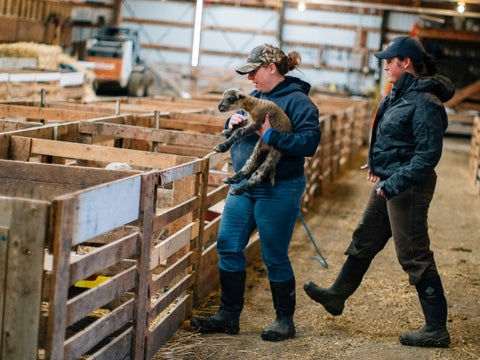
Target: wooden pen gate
{"type": "Point", "coordinates": [122, 292]}
{"type": "Point", "coordinates": [117, 280]}
{"type": "Point", "coordinates": [169, 241]}
{"type": "Point", "coordinates": [49, 212]}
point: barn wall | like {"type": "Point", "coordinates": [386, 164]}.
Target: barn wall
{"type": "Point", "coordinates": [336, 42]}
{"type": "Point", "coordinates": [336, 45]}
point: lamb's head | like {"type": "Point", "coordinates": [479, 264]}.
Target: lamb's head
{"type": "Point", "coordinates": [232, 99]}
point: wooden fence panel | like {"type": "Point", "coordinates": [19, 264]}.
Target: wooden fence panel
{"type": "Point", "coordinates": [175, 255]}
{"type": "Point", "coordinates": [152, 258]}
{"type": "Point", "coordinates": [21, 285]}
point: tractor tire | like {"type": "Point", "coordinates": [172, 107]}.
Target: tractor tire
{"type": "Point", "coordinates": [96, 86]}
{"type": "Point", "coordinates": [135, 87]}
{"type": "Point", "coordinates": [149, 80]}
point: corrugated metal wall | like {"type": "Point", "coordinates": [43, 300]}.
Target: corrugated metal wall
{"type": "Point", "coordinates": [329, 42]}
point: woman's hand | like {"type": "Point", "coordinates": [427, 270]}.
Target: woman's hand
{"type": "Point", "coordinates": [371, 176]}
{"type": "Point", "coordinates": [379, 192]}
{"type": "Point", "coordinates": [265, 126]}
{"type": "Point", "coordinates": [236, 119]}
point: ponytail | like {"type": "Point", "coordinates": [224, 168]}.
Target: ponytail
{"type": "Point", "coordinates": [428, 66]}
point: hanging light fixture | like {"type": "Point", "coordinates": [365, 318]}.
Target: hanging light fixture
{"type": "Point", "coordinates": [301, 6]}
{"type": "Point", "coordinates": [461, 7]}
{"type": "Point", "coordinates": [197, 32]}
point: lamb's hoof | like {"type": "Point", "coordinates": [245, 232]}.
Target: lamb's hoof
{"type": "Point", "coordinates": [227, 133]}
{"type": "Point", "coordinates": [232, 180]}
{"type": "Point", "coordinates": [219, 149]}
{"type": "Point", "coordinates": [238, 190]}
{"type": "Point", "coordinates": [228, 180]}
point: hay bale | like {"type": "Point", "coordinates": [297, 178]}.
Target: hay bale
{"type": "Point", "coordinates": [49, 57]}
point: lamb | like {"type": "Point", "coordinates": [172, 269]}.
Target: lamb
{"type": "Point", "coordinates": [118, 166]}
{"type": "Point", "coordinates": [234, 99]}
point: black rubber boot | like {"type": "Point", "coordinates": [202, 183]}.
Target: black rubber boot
{"type": "Point", "coordinates": [283, 294]}
{"type": "Point", "coordinates": [348, 280]}
{"type": "Point", "coordinates": [226, 320]}
{"type": "Point", "coordinates": [434, 306]}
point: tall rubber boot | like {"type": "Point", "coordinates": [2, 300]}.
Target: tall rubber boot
{"type": "Point", "coordinates": [226, 320]}
{"type": "Point", "coordinates": [348, 280]}
{"type": "Point", "coordinates": [434, 306]}
{"type": "Point", "coordinates": [284, 299]}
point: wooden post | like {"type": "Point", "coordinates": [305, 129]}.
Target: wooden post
{"type": "Point", "coordinates": [23, 240]}
{"type": "Point", "coordinates": [62, 244]}
{"type": "Point", "coordinates": [145, 244]}
{"type": "Point", "coordinates": [117, 13]}
{"type": "Point", "coordinates": [197, 247]}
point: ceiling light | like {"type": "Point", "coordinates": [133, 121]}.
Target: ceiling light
{"type": "Point", "coordinates": [197, 29]}
{"type": "Point", "coordinates": [461, 7]}
{"type": "Point", "coordinates": [301, 6]}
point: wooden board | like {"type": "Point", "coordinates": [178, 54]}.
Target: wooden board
{"type": "Point", "coordinates": [172, 244]}
{"type": "Point", "coordinates": [86, 339]}
{"type": "Point", "coordinates": [166, 328]}
{"type": "Point", "coordinates": [169, 297]}
{"type": "Point", "coordinates": [22, 151]}
{"type": "Point", "coordinates": [84, 266]}
{"type": "Point", "coordinates": [23, 278]}
{"type": "Point", "coordinates": [40, 174]}
{"type": "Point", "coordinates": [160, 281]}
{"type": "Point", "coordinates": [94, 298]}
{"type": "Point", "coordinates": [12, 125]}
{"type": "Point", "coordinates": [151, 134]}
{"type": "Point", "coordinates": [164, 141]}
{"type": "Point", "coordinates": [463, 94]}
{"type": "Point", "coordinates": [119, 348]}
{"type": "Point", "coordinates": [47, 114]}
{"type": "Point", "coordinates": [3, 260]}
{"type": "Point", "coordinates": [105, 208]}
{"type": "Point", "coordinates": [8, 29]}
{"type": "Point", "coordinates": [176, 124]}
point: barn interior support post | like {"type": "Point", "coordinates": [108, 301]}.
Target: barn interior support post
{"type": "Point", "coordinates": [117, 12]}
{"type": "Point", "coordinates": [281, 23]}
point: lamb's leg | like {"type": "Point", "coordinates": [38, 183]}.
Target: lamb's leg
{"type": "Point", "coordinates": [267, 167]}
{"type": "Point", "coordinates": [249, 167]}
{"type": "Point", "coordinates": [237, 135]}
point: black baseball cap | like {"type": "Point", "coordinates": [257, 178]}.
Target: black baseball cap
{"type": "Point", "coordinates": [406, 46]}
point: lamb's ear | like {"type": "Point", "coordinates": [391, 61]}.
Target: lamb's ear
{"type": "Point", "coordinates": [241, 96]}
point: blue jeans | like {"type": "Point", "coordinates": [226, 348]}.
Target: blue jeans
{"type": "Point", "coordinates": [273, 210]}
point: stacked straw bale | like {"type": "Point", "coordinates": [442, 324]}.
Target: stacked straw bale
{"type": "Point", "coordinates": [49, 58]}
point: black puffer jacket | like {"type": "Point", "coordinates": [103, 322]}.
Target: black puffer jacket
{"type": "Point", "coordinates": [408, 130]}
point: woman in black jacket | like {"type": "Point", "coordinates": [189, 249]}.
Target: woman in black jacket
{"type": "Point", "coordinates": [406, 146]}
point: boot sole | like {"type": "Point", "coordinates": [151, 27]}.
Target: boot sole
{"type": "Point", "coordinates": [272, 336]}
{"type": "Point", "coordinates": [436, 343]}
{"type": "Point", "coordinates": [211, 328]}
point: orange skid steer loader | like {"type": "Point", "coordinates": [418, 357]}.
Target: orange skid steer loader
{"type": "Point", "coordinates": [114, 55]}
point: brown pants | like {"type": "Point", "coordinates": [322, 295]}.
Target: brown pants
{"type": "Point", "coordinates": [405, 217]}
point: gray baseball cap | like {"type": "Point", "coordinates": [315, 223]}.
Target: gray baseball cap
{"type": "Point", "coordinates": [260, 55]}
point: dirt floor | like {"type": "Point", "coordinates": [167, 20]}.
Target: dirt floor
{"type": "Point", "coordinates": [385, 305]}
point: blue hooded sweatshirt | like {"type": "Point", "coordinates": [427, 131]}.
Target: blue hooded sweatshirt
{"type": "Point", "coordinates": [292, 96]}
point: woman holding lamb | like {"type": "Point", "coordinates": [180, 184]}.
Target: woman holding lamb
{"type": "Point", "coordinates": [272, 209]}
